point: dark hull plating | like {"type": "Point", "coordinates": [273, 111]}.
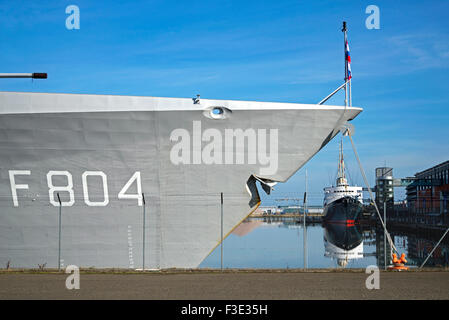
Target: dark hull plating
{"type": "Point", "coordinates": [343, 210]}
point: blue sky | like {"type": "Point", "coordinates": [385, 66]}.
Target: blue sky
{"type": "Point", "coordinates": [287, 51]}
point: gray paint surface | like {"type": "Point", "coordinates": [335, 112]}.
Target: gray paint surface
{"type": "Point", "coordinates": [183, 201]}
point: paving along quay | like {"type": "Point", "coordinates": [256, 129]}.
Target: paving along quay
{"type": "Point", "coordinates": [231, 284]}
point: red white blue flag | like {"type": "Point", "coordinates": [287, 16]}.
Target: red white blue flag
{"type": "Point", "coordinates": [348, 62]}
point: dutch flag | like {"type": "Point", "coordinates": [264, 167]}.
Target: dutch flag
{"type": "Point", "coordinates": [348, 62]}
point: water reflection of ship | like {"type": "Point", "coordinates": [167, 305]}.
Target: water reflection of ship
{"type": "Point", "coordinates": [343, 242]}
{"type": "Point", "coordinates": [342, 203]}
{"type": "Point", "coordinates": [246, 227]}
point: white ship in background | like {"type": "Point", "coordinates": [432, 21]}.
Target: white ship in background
{"type": "Point", "coordinates": [342, 203]}
{"type": "Point", "coordinates": [105, 160]}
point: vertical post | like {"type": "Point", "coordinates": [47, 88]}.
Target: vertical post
{"type": "Point", "coordinates": [304, 217]}
{"type": "Point", "coordinates": [221, 246]}
{"type": "Point", "coordinates": [59, 238]}
{"type": "Point", "coordinates": [350, 94]}
{"type": "Point", "coordinates": [346, 65]}
{"type": "Point", "coordinates": [143, 234]}
{"type": "Point", "coordinates": [385, 234]}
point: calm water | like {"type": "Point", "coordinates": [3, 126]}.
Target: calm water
{"type": "Point", "coordinates": [279, 243]}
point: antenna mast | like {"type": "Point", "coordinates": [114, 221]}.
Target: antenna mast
{"type": "Point", "coordinates": [341, 163]}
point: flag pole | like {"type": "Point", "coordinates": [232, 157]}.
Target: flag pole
{"type": "Point", "coordinates": [347, 84]}
{"type": "Point", "coordinates": [350, 95]}
{"type": "Point", "coordinates": [347, 75]}
{"type": "Point", "coordinates": [344, 30]}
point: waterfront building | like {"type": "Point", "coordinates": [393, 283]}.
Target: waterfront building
{"type": "Point", "coordinates": [384, 187]}
{"type": "Point", "coordinates": [431, 195]}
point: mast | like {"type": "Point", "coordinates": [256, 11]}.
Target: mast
{"type": "Point", "coordinates": [348, 96]}
{"type": "Point", "coordinates": [344, 30]}
{"type": "Point", "coordinates": [341, 177]}
{"type": "Point", "coordinates": [347, 78]}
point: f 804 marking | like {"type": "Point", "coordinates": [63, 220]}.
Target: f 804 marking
{"type": "Point", "coordinates": [68, 188]}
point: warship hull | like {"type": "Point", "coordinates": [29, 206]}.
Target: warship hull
{"type": "Point", "coordinates": [79, 174]}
